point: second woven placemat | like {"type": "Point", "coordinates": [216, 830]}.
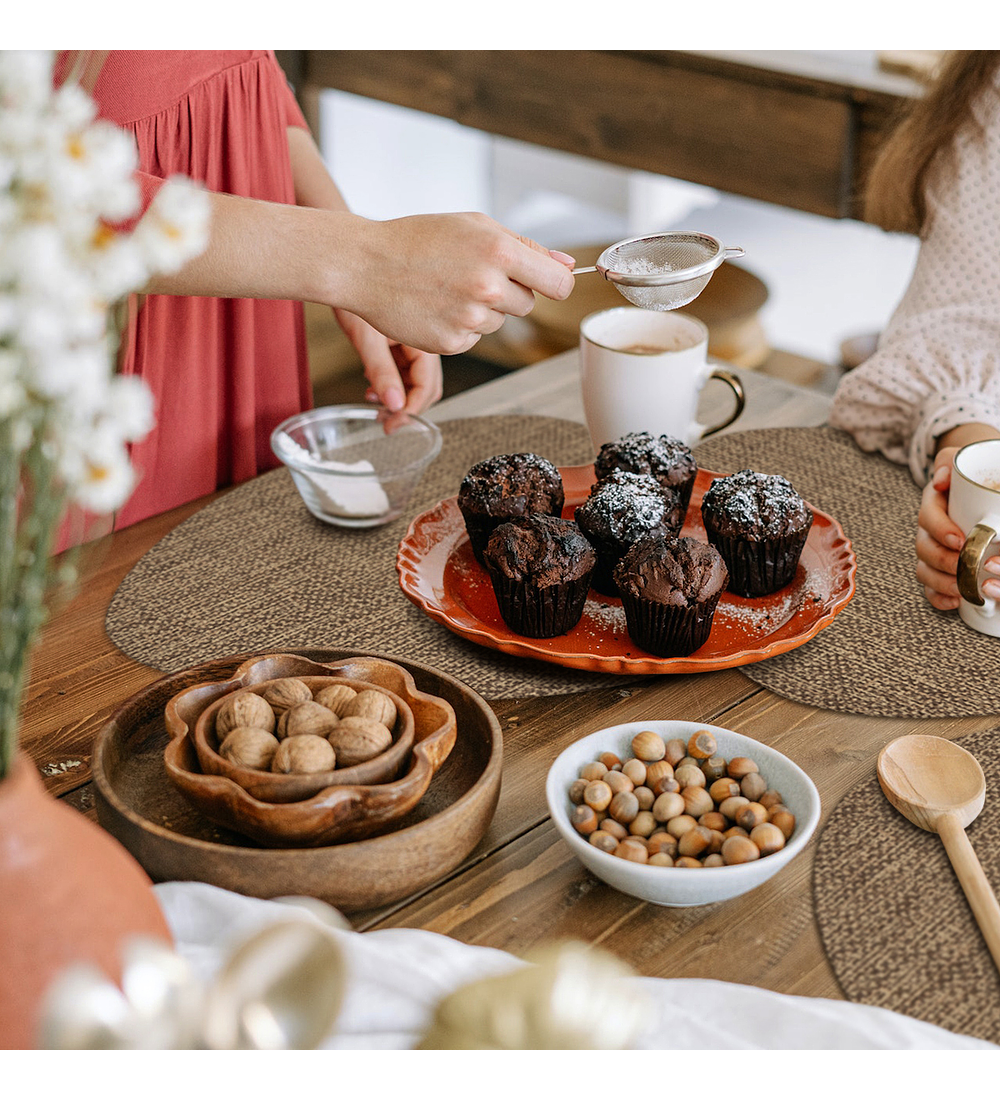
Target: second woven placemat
{"type": "Point", "coordinates": [895, 923]}
{"type": "Point", "coordinates": [255, 571]}
{"type": "Point", "coordinates": [888, 652]}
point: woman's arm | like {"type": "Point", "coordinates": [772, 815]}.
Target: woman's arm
{"type": "Point", "coordinates": [400, 377]}
{"type": "Point", "coordinates": [435, 282]}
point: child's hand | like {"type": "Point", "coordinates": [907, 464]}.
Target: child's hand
{"type": "Point", "coordinates": [939, 540]}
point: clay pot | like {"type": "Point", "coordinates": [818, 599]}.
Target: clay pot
{"type": "Point", "coordinates": [69, 892]}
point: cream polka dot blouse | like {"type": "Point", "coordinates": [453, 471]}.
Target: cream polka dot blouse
{"type": "Point", "coordinates": [938, 361]}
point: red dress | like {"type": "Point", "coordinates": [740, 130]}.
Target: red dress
{"type": "Point", "coordinates": [223, 372]}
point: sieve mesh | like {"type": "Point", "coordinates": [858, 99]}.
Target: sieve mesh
{"type": "Point", "coordinates": [664, 270]}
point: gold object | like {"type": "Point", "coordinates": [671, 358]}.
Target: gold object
{"type": "Point", "coordinates": [969, 561]}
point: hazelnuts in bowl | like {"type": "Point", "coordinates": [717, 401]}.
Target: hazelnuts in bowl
{"type": "Point", "coordinates": [286, 739]}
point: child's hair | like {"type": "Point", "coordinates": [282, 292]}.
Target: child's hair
{"type": "Point", "coordinates": [895, 196]}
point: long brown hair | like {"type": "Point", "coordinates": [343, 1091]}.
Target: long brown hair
{"type": "Point", "coordinates": [895, 196]}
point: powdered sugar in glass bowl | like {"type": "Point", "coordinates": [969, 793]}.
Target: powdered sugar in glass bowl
{"type": "Point", "coordinates": [348, 470]}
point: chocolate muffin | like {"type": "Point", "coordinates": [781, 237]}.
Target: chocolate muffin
{"type": "Point", "coordinates": [621, 508]}
{"type": "Point", "coordinates": [667, 459]}
{"type": "Point", "coordinates": [540, 567]}
{"type": "Point", "coordinates": [759, 524]}
{"type": "Point", "coordinates": [504, 487]}
{"type": "Point", "coordinates": [670, 588]}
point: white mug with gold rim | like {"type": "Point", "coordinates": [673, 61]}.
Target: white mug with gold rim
{"type": "Point", "coordinates": [974, 504]}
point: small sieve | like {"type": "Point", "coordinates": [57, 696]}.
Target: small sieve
{"type": "Point", "coordinates": [662, 270]}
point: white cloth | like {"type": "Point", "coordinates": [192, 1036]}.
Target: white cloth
{"type": "Point", "coordinates": [396, 977]}
{"type": "Point", "coordinates": [938, 361]}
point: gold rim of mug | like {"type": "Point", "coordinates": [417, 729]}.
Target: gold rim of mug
{"type": "Point", "coordinates": [961, 473]}
{"type": "Point", "coordinates": [635, 309]}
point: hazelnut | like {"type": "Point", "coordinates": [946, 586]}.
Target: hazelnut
{"type": "Point", "coordinates": [731, 806]}
{"type": "Point", "coordinates": [678, 826]}
{"type": "Point", "coordinates": [372, 704]}
{"type": "Point", "coordinates": [635, 770]}
{"type": "Point", "coordinates": [739, 849]}
{"type": "Point", "coordinates": [752, 786]}
{"type": "Point", "coordinates": [576, 789]}
{"type": "Point", "coordinates": [594, 770]}
{"type": "Point", "coordinates": [770, 798]}
{"type": "Point", "coordinates": [687, 861]}
{"type": "Point", "coordinates": [668, 806]}
{"type": "Point", "coordinates": [714, 820]}
{"type": "Point", "coordinates": [584, 819]}
{"type": "Point", "coordinates": [783, 819]}
{"type": "Point", "coordinates": [740, 766]}
{"type": "Point", "coordinates": [358, 739]}
{"type": "Point", "coordinates": [666, 785]}
{"type": "Point", "coordinates": [610, 761]}
{"type": "Point", "coordinates": [697, 801]}
{"type": "Point", "coordinates": [660, 859]}
{"type": "Point", "coordinates": [302, 753]}
{"type": "Point", "coordinates": [714, 767]}
{"type": "Point", "coordinates": [250, 748]}
{"type": "Point", "coordinates": [307, 717]}
{"type": "Point", "coordinates": [750, 816]}
{"type": "Point", "coordinates": [643, 824]}
{"type": "Point", "coordinates": [689, 775]}
{"type": "Point", "coordinates": [597, 794]}
{"type": "Point", "coordinates": [658, 769]}
{"type": "Point", "coordinates": [768, 838]}
{"type": "Point", "coordinates": [618, 782]}
{"type": "Point", "coordinates": [243, 709]}
{"type": "Point", "coordinates": [724, 788]}
{"type": "Point", "coordinates": [702, 744]}
{"type": "Point", "coordinates": [694, 841]}
{"type": "Point", "coordinates": [632, 849]}
{"type": "Point", "coordinates": [645, 797]}
{"type": "Point", "coordinates": [285, 693]}
{"type": "Point", "coordinates": [605, 841]}
{"type": "Point", "coordinates": [623, 808]}
{"type": "Point", "coordinates": [661, 842]}
{"type": "Point", "coordinates": [713, 859]}
{"type": "Point", "coordinates": [676, 750]}
{"type": "Point", "coordinates": [615, 828]}
{"type": "Point", "coordinates": [648, 746]}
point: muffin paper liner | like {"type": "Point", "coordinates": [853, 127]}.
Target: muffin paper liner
{"type": "Point", "coordinates": [540, 612]}
{"type": "Point", "coordinates": [666, 630]}
{"type": "Point", "coordinates": [757, 568]}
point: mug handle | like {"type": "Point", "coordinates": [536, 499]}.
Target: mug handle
{"type": "Point", "coordinates": [979, 540]}
{"type": "Point", "coordinates": [741, 400]}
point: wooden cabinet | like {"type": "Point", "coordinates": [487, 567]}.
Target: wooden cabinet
{"type": "Point", "coordinates": [780, 126]}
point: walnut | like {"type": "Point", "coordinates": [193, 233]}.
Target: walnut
{"type": "Point", "coordinates": [372, 704]}
{"type": "Point", "coordinates": [357, 739]}
{"type": "Point", "coordinates": [336, 697]}
{"type": "Point", "coordinates": [309, 717]}
{"type": "Point", "coordinates": [285, 693]}
{"type": "Point", "coordinates": [250, 748]}
{"type": "Point", "coordinates": [305, 752]}
{"type": "Point", "coordinates": [244, 708]}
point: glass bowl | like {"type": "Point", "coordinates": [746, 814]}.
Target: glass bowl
{"type": "Point", "coordinates": [348, 469]}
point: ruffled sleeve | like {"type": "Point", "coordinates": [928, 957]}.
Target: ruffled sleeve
{"type": "Point", "coordinates": [938, 362]}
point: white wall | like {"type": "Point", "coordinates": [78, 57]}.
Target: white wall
{"type": "Point", "coordinates": [828, 279]}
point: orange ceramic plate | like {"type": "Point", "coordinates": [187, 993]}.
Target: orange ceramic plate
{"type": "Point", "coordinates": [438, 572]}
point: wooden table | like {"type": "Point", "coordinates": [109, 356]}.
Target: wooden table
{"type": "Point", "coordinates": [522, 886]}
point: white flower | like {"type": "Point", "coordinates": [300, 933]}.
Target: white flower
{"type": "Point", "coordinates": [105, 477]}
{"type": "Point", "coordinates": [67, 181]}
{"type": "Point", "coordinates": [130, 405]}
{"type": "Point", "coordinates": [175, 227]}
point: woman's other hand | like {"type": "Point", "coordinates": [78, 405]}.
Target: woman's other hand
{"type": "Point", "coordinates": [402, 378]}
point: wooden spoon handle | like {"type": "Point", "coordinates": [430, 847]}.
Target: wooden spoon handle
{"type": "Point", "coordinates": [974, 882]}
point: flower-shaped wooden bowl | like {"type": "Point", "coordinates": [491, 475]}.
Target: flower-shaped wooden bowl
{"type": "Point", "coordinates": [275, 787]}
{"type": "Point", "coordinates": [343, 812]}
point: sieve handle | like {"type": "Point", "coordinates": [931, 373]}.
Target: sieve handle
{"type": "Point", "coordinates": [583, 270]}
{"type": "Point", "coordinates": [731, 252]}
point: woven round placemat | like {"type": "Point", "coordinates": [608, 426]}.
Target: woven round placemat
{"type": "Point", "coordinates": [894, 921]}
{"type": "Point", "coordinates": [888, 652]}
{"type": "Point", "coordinates": [255, 571]}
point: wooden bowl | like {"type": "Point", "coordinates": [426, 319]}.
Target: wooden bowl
{"type": "Point", "coordinates": [274, 787]}
{"type": "Point", "coordinates": [341, 812]}
{"type": "Point", "coordinates": [174, 842]}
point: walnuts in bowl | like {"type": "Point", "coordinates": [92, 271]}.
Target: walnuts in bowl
{"type": "Point", "coordinates": [286, 727]}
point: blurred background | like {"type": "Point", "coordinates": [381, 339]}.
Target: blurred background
{"type": "Point", "coordinates": [804, 303]}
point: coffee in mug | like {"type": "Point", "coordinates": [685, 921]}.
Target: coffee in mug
{"type": "Point", "coordinates": [643, 371]}
{"type": "Point", "coordinates": [974, 504]}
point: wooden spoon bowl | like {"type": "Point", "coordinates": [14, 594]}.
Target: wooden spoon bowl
{"type": "Point", "coordinates": [940, 787]}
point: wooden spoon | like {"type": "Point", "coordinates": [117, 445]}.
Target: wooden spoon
{"type": "Point", "coordinates": [940, 787]}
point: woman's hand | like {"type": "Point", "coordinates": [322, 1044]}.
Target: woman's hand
{"type": "Point", "coordinates": [441, 281]}
{"type": "Point", "coordinates": [939, 540]}
{"type": "Point", "coordinates": [401, 378]}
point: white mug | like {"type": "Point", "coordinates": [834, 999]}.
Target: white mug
{"type": "Point", "coordinates": [643, 371]}
{"type": "Point", "coordinates": [974, 504]}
